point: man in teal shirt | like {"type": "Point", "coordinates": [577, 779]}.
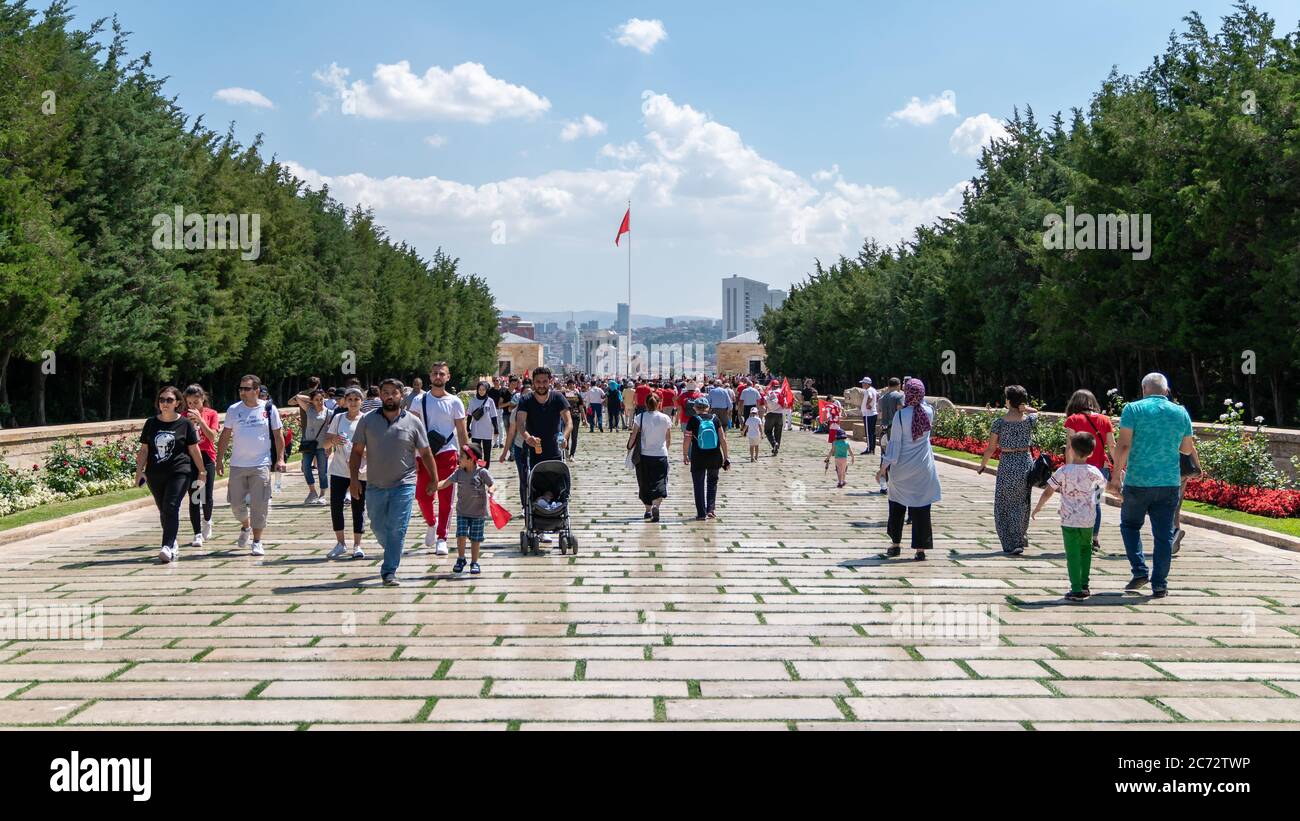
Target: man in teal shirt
{"type": "Point", "coordinates": [1153, 432]}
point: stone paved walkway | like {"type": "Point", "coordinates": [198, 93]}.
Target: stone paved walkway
{"type": "Point", "coordinates": [774, 617]}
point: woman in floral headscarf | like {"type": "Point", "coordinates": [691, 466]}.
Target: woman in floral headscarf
{"type": "Point", "coordinates": [913, 481]}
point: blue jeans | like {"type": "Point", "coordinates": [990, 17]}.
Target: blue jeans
{"type": "Point", "coordinates": [1096, 528]}
{"type": "Point", "coordinates": [389, 509]}
{"type": "Point", "coordinates": [1160, 503]}
{"type": "Point", "coordinates": [597, 419]}
{"type": "Point", "coordinates": [322, 460]}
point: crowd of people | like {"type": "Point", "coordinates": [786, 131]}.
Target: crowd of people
{"type": "Point", "coordinates": [386, 450]}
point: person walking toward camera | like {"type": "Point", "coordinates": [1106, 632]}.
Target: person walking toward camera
{"type": "Point", "coordinates": [207, 424]}
{"type": "Point", "coordinates": [474, 490]}
{"type": "Point", "coordinates": [338, 439]}
{"type": "Point", "coordinates": [908, 460]}
{"type": "Point", "coordinates": [315, 419]}
{"type": "Point", "coordinates": [1152, 434]}
{"type": "Point", "coordinates": [484, 419]}
{"type": "Point", "coordinates": [389, 442]}
{"type": "Point", "coordinates": [253, 431]}
{"type": "Point", "coordinates": [168, 460]}
{"type": "Point", "coordinates": [444, 419]}
{"type": "Point", "coordinates": [1013, 434]}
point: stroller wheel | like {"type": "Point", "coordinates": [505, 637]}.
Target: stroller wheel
{"type": "Point", "coordinates": [564, 543]}
{"type": "Point", "coordinates": [573, 543]}
{"type": "Point", "coordinates": [523, 543]}
{"type": "Point", "coordinates": [533, 542]}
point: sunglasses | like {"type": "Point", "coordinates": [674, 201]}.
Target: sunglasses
{"type": "Point", "coordinates": [243, 388]}
{"type": "Point", "coordinates": [168, 400]}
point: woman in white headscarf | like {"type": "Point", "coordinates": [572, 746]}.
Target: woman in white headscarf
{"type": "Point", "coordinates": [908, 461]}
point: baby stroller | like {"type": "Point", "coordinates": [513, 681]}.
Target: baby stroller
{"type": "Point", "coordinates": [808, 414]}
{"type": "Point", "coordinates": [547, 477]}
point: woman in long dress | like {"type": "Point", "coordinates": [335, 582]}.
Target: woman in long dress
{"type": "Point", "coordinates": [908, 461]}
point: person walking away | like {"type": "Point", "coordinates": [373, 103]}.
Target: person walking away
{"type": "Point", "coordinates": [252, 433]}
{"type": "Point", "coordinates": [655, 432]}
{"type": "Point", "coordinates": [704, 451]}
{"type": "Point", "coordinates": [595, 400]}
{"type": "Point", "coordinates": [474, 487]}
{"type": "Point", "coordinates": [373, 402]}
{"type": "Point", "coordinates": [506, 407]}
{"type": "Point", "coordinates": [315, 419]}
{"type": "Point", "coordinates": [774, 421]}
{"type": "Point", "coordinates": [338, 440]}
{"type": "Point", "coordinates": [720, 403]}
{"type": "Point", "coordinates": [870, 413]}
{"type": "Point", "coordinates": [389, 442]}
{"type": "Point", "coordinates": [754, 434]}
{"type": "Point", "coordinates": [207, 425]}
{"type": "Point", "coordinates": [1189, 465]}
{"type": "Point", "coordinates": [841, 453]}
{"type": "Point", "coordinates": [1013, 434]}
{"type": "Point", "coordinates": [576, 410]}
{"type": "Point", "coordinates": [444, 418]}
{"type": "Point", "coordinates": [1081, 485]}
{"type": "Point", "coordinates": [516, 452]}
{"type": "Point", "coordinates": [614, 404]}
{"type": "Point", "coordinates": [631, 401]}
{"type": "Point", "coordinates": [908, 461]}
{"type": "Point", "coordinates": [484, 420]}
{"type": "Point", "coordinates": [167, 460]}
{"type": "Point", "coordinates": [1083, 415]}
{"type": "Point", "coordinates": [749, 399]}
{"type": "Point", "coordinates": [668, 400]}
{"type": "Point", "coordinates": [1152, 434]}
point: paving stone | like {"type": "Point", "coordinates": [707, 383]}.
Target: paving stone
{"type": "Point", "coordinates": [879, 669]}
{"type": "Point", "coordinates": [36, 712]}
{"type": "Point", "coordinates": [247, 711]}
{"type": "Point", "coordinates": [1236, 709]}
{"type": "Point", "coordinates": [1005, 709]}
{"type": "Point", "coordinates": [543, 709]}
{"type": "Point", "coordinates": [1165, 687]}
{"type": "Point", "coordinates": [1103, 669]}
{"type": "Point", "coordinates": [955, 687]}
{"type": "Point", "coordinates": [753, 709]}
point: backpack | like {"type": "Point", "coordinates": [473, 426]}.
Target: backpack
{"type": "Point", "coordinates": [706, 437]}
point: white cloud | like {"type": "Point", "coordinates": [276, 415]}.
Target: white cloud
{"type": "Point", "coordinates": [243, 96]}
{"type": "Point", "coordinates": [465, 93]}
{"type": "Point", "coordinates": [975, 133]}
{"type": "Point", "coordinates": [827, 175]}
{"type": "Point", "coordinates": [929, 112]}
{"type": "Point", "coordinates": [588, 126]}
{"type": "Point", "coordinates": [435, 141]}
{"type": "Point", "coordinates": [642, 35]}
{"type": "Point", "coordinates": [693, 178]}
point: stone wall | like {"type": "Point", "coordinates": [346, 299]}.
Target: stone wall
{"type": "Point", "coordinates": [734, 357]}
{"type": "Point", "coordinates": [522, 357]}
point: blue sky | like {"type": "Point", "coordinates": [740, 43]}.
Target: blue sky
{"type": "Point", "coordinates": [752, 137]}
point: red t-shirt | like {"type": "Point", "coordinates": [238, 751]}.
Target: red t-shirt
{"type": "Point", "coordinates": [206, 446]}
{"type": "Point", "coordinates": [642, 393]}
{"type": "Point", "coordinates": [1100, 428]}
{"type": "Point", "coordinates": [667, 398]}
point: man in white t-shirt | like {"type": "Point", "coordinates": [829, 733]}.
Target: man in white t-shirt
{"type": "Point", "coordinates": [443, 415]}
{"type": "Point", "coordinates": [594, 397]}
{"type": "Point", "coordinates": [255, 429]}
{"type": "Point", "coordinates": [870, 413]}
{"type": "Point", "coordinates": [774, 421]}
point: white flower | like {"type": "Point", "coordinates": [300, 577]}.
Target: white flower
{"type": "Point", "coordinates": [1259, 420]}
{"type": "Point", "coordinates": [1223, 417]}
{"type": "Point", "coordinates": [1227, 403]}
{"type": "Point", "coordinates": [1112, 391]}
{"type": "Point", "coordinates": [1240, 405]}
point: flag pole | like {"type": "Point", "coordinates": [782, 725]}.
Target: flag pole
{"type": "Point", "coordinates": [629, 293]}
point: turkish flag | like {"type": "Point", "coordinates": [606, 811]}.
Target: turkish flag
{"type": "Point", "coordinates": [625, 228]}
{"type": "Point", "coordinates": [787, 395]}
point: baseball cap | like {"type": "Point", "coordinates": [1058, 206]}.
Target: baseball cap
{"type": "Point", "coordinates": [701, 402]}
{"type": "Point", "coordinates": [866, 380]}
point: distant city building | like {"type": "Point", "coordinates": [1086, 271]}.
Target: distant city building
{"type": "Point", "coordinates": [590, 360]}
{"type": "Point", "coordinates": [744, 301]}
{"type": "Point", "coordinates": [570, 327]}
{"type": "Point", "coordinates": [516, 326]}
{"type": "Point", "coordinates": [668, 323]}
{"type": "Point", "coordinates": [551, 328]}
{"type": "Point", "coordinates": [593, 325]}
{"type": "Point", "coordinates": [624, 318]}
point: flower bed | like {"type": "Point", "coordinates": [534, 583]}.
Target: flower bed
{"type": "Point", "coordinates": [970, 444]}
{"type": "Point", "coordinates": [73, 469]}
{"type": "Point", "coordinates": [1275, 504]}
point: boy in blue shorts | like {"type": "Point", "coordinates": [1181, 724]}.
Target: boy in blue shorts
{"type": "Point", "coordinates": [474, 486]}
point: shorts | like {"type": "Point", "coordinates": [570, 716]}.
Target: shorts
{"type": "Point", "coordinates": [470, 527]}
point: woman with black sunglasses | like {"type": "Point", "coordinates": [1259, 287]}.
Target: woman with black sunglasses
{"type": "Point", "coordinates": [168, 460]}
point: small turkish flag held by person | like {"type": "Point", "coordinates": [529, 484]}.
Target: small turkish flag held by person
{"type": "Point", "coordinates": [500, 516]}
{"type": "Point", "coordinates": [625, 228]}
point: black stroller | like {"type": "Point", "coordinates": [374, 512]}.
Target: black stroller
{"type": "Point", "coordinates": [808, 414]}
{"type": "Point", "coordinates": [547, 477]}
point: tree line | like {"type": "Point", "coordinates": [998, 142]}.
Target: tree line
{"type": "Point", "coordinates": [99, 304]}
{"type": "Point", "coordinates": [1206, 142]}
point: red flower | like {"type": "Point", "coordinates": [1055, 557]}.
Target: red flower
{"type": "Point", "coordinates": [82, 471]}
{"type": "Point", "coordinates": [36, 467]}
{"type": "Point", "coordinates": [89, 442]}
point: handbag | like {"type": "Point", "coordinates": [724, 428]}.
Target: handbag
{"type": "Point", "coordinates": [1186, 467]}
{"type": "Point", "coordinates": [636, 446]}
{"type": "Point", "coordinates": [1040, 472]}
{"type": "Point", "coordinates": [313, 444]}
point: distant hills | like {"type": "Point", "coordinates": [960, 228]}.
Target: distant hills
{"type": "Point", "coordinates": [605, 318]}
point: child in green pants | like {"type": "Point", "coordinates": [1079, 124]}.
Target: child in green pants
{"type": "Point", "coordinates": [1080, 485]}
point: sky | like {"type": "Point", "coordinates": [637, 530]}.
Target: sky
{"type": "Point", "coordinates": [750, 138]}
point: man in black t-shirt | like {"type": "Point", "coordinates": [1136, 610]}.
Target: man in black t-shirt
{"type": "Point", "coordinates": [545, 419]}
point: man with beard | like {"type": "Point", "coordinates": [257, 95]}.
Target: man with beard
{"type": "Point", "coordinates": [546, 423]}
{"type": "Point", "coordinates": [389, 441]}
{"type": "Point", "coordinates": [443, 416]}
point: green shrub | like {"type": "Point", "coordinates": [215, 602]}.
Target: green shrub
{"type": "Point", "coordinates": [1238, 456]}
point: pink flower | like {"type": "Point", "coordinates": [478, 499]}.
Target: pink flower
{"type": "Point", "coordinates": [90, 442]}
{"type": "Point", "coordinates": [82, 471]}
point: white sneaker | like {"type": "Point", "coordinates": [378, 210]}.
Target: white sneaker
{"type": "Point", "coordinates": [430, 536]}
{"type": "Point", "coordinates": [548, 538]}
{"type": "Point", "coordinates": [321, 501]}
{"type": "Point", "coordinates": [198, 540]}
{"type": "Point", "coordinates": [358, 554]}
{"type": "Point", "coordinates": [244, 535]}
{"type": "Point", "coordinates": [441, 549]}
{"type": "Point", "coordinates": [340, 550]}
{"type": "Point", "coordinates": [207, 530]}
{"type": "Point", "coordinates": [258, 550]}
{"type": "Point", "coordinates": [311, 498]}
{"type": "Point", "coordinates": [176, 552]}
{"type": "Point", "coordinates": [165, 555]}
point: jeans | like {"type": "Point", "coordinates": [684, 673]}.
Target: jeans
{"type": "Point", "coordinates": [389, 509]}
{"type": "Point", "coordinates": [1159, 503]}
{"type": "Point", "coordinates": [1096, 527]}
{"type": "Point", "coordinates": [871, 434]}
{"type": "Point", "coordinates": [322, 460]}
{"type": "Point", "coordinates": [597, 419]}
{"type": "Point", "coordinates": [706, 489]}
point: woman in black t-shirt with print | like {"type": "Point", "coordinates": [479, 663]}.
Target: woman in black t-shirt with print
{"type": "Point", "coordinates": [169, 460]}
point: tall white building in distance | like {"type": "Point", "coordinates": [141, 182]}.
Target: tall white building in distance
{"type": "Point", "coordinates": [744, 301]}
{"type": "Point", "coordinates": [624, 318]}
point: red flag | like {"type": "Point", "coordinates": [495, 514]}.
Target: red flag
{"type": "Point", "coordinates": [787, 395]}
{"type": "Point", "coordinates": [625, 228]}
